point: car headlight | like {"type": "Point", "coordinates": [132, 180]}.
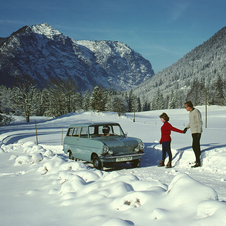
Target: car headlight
{"type": "Point", "coordinates": [141, 146]}
{"type": "Point", "coordinates": [105, 149]}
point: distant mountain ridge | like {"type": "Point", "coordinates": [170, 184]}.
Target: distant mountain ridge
{"type": "Point", "coordinates": [43, 52]}
{"type": "Point", "coordinates": [204, 63]}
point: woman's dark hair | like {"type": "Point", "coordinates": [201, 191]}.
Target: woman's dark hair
{"type": "Point", "coordinates": [189, 104]}
{"type": "Point", "coordinates": [164, 116]}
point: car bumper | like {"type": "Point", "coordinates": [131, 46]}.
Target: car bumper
{"type": "Point", "coordinates": [121, 158]}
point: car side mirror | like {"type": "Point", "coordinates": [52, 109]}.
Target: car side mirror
{"type": "Point", "coordinates": [126, 134]}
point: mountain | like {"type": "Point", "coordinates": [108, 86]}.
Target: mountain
{"type": "Point", "coordinates": [43, 52]}
{"type": "Point", "coordinates": [204, 63]}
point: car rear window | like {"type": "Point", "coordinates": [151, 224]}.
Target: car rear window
{"type": "Point", "coordinates": [70, 131]}
{"type": "Point", "coordinates": [76, 132]}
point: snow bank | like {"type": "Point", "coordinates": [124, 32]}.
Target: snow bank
{"type": "Point", "coordinates": [1, 150]}
{"type": "Point", "coordinates": [124, 199]}
{"type": "Point", "coordinates": [212, 162]}
{"type": "Point", "coordinates": [40, 184]}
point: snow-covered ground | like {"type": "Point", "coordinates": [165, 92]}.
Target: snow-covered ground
{"type": "Point", "coordinates": [39, 185]}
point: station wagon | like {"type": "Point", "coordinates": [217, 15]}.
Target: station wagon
{"type": "Point", "coordinates": [102, 144]}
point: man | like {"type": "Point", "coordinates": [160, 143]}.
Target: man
{"type": "Point", "coordinates": [106, 130]}
{"type": "Point", "coordinates": [195, 124]}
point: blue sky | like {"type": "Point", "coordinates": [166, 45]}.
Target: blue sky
{"type": "Point", "coordinates": [162, 31]}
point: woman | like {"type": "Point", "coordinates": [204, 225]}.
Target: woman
{"type": "Point", "coordinates": [166, 139]}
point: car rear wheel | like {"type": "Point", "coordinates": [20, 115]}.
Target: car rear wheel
{"type": "Point", "coordinates": [71, 156]}
{"type": "Point", "coordinates": [97, 163]}
{"type": "Point", "coordinates": [136, 163]}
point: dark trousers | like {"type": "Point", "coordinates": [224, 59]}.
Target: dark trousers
{"type": "Point", "coordinates": [196, 146]}
{"type": "Point", "coordinates": [166, 149]}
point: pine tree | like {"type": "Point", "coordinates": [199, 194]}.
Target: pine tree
{"type": "Point", "coordinates": [134, 104]}
{"type": "Point", "coordinates": [197, 93]}
{"type": "Point", "coordinates": [77, 101]}
{"type": "Point", "coordinates": [6, 99]}
{"type": "Point", "coordinates": [103, 98]}
{"type": "Point", "coordinates": [56, 102]}
{"type": "Point", "coordinates": [69, 87]}
{"type": "Point", "coordinates": [86, 101]}
{"type": "Point", "coordinates": [130, 99]}
{"type": "Point", "coordinates": [39, 104]}
{"type": "Point", "coordinates": [173, 101]}
{"type": "Point", "coordinates": [111, 92]}
{"type": "Point", "coordinates": [6, 105]}
{"type": "Point", "coordinates": [139, 104]}
{"type": "Point", "coordinates": [144, 104]}
{"type": "Point", "coordinates": [25, 99]}
{"type": "Point", "coordinates": [117, 103]}
{"type": "Point", "coordinates": [171, 104]}
{"type": "Point", "coordinates": [159, 103]}
{"type": "Point", "coordinates": [219, 91]}
{"type": "Point", "coordinates": [95, 99]}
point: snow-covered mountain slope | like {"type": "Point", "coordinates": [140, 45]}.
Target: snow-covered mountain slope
{"type": "Point", "coordinates": [43, 52]}
{"type": "Point", "coordinates": [204, 63]}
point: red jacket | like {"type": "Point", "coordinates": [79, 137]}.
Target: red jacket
{"type": "Point", "coordinates": [166, 131]}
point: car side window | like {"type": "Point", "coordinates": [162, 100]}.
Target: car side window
{"type": "Point", "coordinates": [70, 131]}
{"type": "Point", "coordinates": [100, 130]}
{"type": "Point", "coordinates": [84, 132]}
{"type": "Point", "coordinates": [76, 132]}
{"type": "Point", "coordinates": [91, 130]}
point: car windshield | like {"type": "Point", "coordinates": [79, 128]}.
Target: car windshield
{"type": "Point", "coordinates": [105, 130]}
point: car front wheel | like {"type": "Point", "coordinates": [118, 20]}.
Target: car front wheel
{"type": "Point", "coordinates": [136, 163]}
{"type": "Point", "coordinates": [97, 163]}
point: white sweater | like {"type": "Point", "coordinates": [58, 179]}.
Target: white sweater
{"type": "Point", "coordinates": [195, 121]}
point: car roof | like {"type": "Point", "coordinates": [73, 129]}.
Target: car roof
{"type": "Point", "coordinates": [94, 124]}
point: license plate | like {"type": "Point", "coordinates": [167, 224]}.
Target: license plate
{"type": "Point", "coordinates": [123, 159]}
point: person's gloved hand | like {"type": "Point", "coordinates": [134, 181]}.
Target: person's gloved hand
{"type": "Point", "coordinates": [185, 130]}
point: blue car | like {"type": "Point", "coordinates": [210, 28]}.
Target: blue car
{"type": "Point", "coordinates": [102, 144]}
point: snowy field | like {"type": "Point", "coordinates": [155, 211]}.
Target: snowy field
{"type": "Point", "coordinates": [40, 186]}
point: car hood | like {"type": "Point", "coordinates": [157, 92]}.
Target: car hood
{"type": "Point", "coordinates": [120, 142]}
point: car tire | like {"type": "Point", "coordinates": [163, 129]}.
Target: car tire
{"type": "Point", "coordinates": [136, 163]}
{"type": "Point", "coordinates": [97, 163]}
{"type": "Point", "coordinates": [70, 156]}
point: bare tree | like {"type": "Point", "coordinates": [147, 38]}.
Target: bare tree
{"type": "Point", "coordinates": [25, 96]}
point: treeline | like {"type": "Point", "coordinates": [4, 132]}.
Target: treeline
{"type": "Point", "coordinates": [61, 97]}
{"type": "Point", "coordinates": [199, 94]}
{"type": "Point", "coordinates": [215, 93]}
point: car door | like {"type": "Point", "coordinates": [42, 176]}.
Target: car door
{"type": "Point", "coordinates": [79, 143]}
{"type": "Point", "coordinates": [68, 141]}
{"type": "Point", "coordinates": [75, 142]}
{"type": "Point", "coordinates": [84, 150]}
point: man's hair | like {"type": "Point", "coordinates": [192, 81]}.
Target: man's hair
{"type": "Point", "coordinates": [164, 116]}
{"type": "Point", "coordinates": [189, 104]}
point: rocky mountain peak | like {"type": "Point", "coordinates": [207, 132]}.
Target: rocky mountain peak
{"type": "Point", "coordinates": [43, 52]}
{"type": "Point", "coordinates": [45, 29]}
